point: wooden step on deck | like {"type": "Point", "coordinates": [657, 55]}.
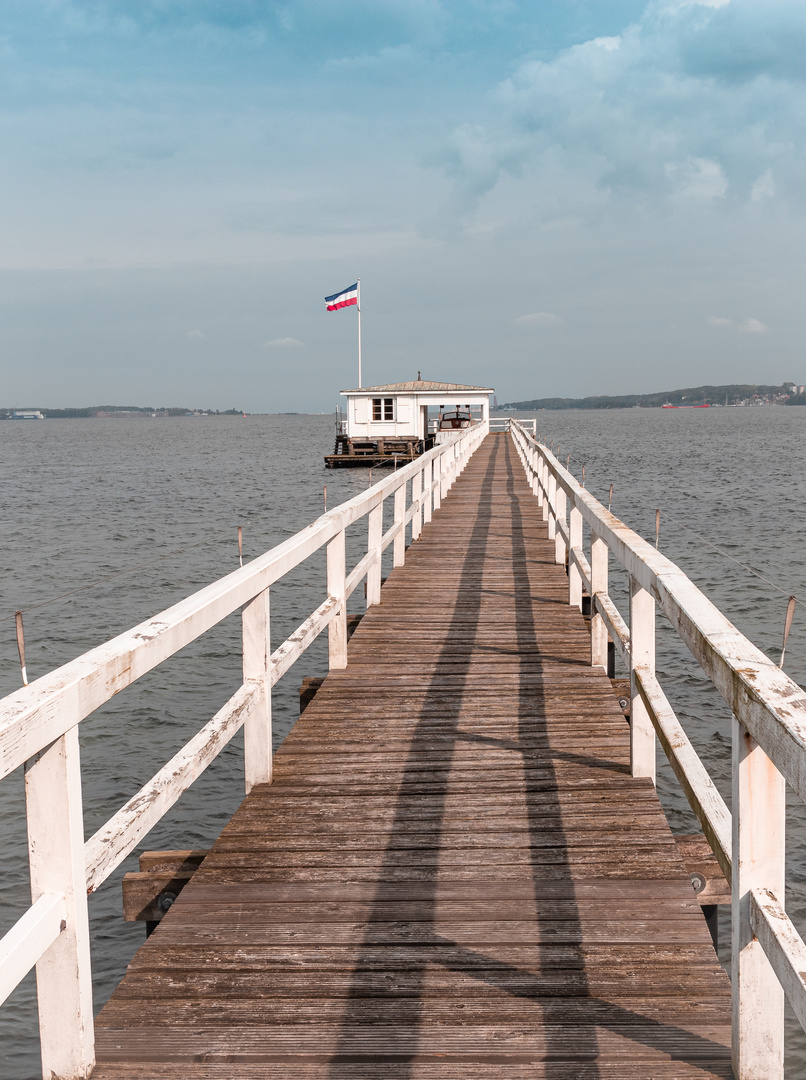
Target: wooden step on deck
{"type": "Point", "coordinates": [453, 875]}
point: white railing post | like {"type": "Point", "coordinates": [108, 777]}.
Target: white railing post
{"type": "Point", "coordinates": [599, 572]}
{"type": "Point", "coordinates": [416, 499]}
{"type": "Point", "coordinates": [427, 477]}
{"type": "Point", "coordinates": [399, 543]}
{"type": "Point", "coordinates": [560, 512]}
{"type": "Point", "coordinates": [437, 477]}
{"type": "Point", "coordinates": [56, 855]}
{"type": "Point", "coordinates": [759, 818]}
{"type": "Point", "coordinates": [444, 466]}
{"type": "Point", "coordinates": [574, 541]}
{"type": "Point", "coordinates": [552, 502]}
{"type": "Point", "coordinates": [336, 578]}
{"type": "Point", "coordinates": [374, 537]}
{"type": "Point", "coordinates": [544, 485]}
{"type": "Point", "coordinates": [257, 744]}
{"type": "Point", "coordinates": [642, 654]}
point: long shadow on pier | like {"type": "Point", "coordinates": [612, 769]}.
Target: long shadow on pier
{"type": "Point", "coordinates": [539, 776]}
{"type": "Point", "coordinates": [464, 626]}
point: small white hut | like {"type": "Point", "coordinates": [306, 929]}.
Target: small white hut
{"type": "Point", "coordinates": [401, 419]}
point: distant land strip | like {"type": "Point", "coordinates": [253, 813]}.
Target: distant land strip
{"type": "Point", "coordinates": [787, 393]}
{"type": "Point", "coordinates": [114, 412]}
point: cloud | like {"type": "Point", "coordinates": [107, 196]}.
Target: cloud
{"type": "Point", "coordinates": [764, 187]}
{"type": "Point", "coordinates": [540, 318]}
{"type": "Point", "coordinates": [698, 178]}
{"type": "Point", "coordinates": [283, 343]}
{"type": "Point", "coordinates": [196, 335]}
{"type": "Point", "coordinates": [666, 114]}
{"type": "Point", "coordinates": [747, 326]}
{"type": "Point", "coordinates": [753, 326]}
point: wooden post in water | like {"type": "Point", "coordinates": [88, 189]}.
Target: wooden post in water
{"type": "Point", "coordinates": [257, 749]}
{"type": "Point", "coordinates": [759, 821]}
{"type": "Point", "coordinates": [336, 578]}
{"type": "Point", "coordinates": [599, 572]}
{"type": "Point", "coordinates": [642, 654]}
{"type": "Point", "coordinates": [56, 856]}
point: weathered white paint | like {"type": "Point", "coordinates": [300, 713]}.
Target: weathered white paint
{"type": "Point", "coordinates": [256, 660]}
{"type": "Point", "coordinates": [759, 816]}
{"type": "Point", "coordinates": [56, 857]}
{"type": "Point", "coordinates": [399, 550]}
{"type": "Point", "coordinates": [642, 654]}
{"type": "Point", "coordinates": [578, 567]}
{"type": "Point", "coordinates": [783, 946]}
{"type": "Point", "coordinates": [119, 836]}
{"type": "Point", "coordinates": [598, 588]}
{"type": "Point", "coordinates": [307, 632]}
{"type": "Point", "coordinates": [337, 586]}
{"type": "Point", "coordinates": [374, 539]}
{"type": "Point", "coordinates": [616, 626]}
{"type": "Point", "coordinates": [428, 491]}
{"type": "Point", "coordinates": [29, 939]}
{"type": "Point", "coordinates": [698, 787]}
{"type": "Point", "coordinates": [416, 504]}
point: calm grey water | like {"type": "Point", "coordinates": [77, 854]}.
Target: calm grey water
{"type": "Point", "coordinates": [87, 500]}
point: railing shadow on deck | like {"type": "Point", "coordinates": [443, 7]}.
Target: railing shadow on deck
{"type": "Point", "coordinates": [465, 961]}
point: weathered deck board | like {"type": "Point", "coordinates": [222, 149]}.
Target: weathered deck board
{"type": "Point", "coordinates": [453, 874]}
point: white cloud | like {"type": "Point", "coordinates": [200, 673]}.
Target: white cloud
{"type": "Point", "coordinates": [609, 44]}
{"type": "Point", "coordinates": [748, 326]}
{"type": "Point", "coordinates": [196, 335]}
{"type": "Point", "coordinates": [698, 178]}
{"type": "Point", "coordinates": [753, 326]}
{"type": "Point", "coordinates": [764, 187]}
{"type": "Point", "coordinates": [540, 318]}
{"type": "Point", "coordinates": [283, 343]}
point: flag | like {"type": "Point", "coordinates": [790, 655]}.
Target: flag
{"type": "Point", "coordinates": [342, 299]}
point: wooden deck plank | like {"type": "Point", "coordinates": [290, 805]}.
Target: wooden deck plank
{"type": "Point", "coordinates": [453, 874]}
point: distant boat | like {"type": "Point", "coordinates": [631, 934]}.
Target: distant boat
{"type": "Point", "coordinates": [668, 405]}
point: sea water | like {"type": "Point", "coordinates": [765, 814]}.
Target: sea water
{"type": "Point", "coordinates": [107, 522]}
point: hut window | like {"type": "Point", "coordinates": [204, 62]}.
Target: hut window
{"type": "Point", "coordinates": [383, 408]}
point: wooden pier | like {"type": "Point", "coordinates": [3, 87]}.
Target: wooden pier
{"type": "Point", "coordinates": [453, 874]}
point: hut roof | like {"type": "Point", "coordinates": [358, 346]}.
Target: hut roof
{"type": "Point", "coordinates": [423, 385]}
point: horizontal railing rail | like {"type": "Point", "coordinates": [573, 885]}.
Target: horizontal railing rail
{"type": "Point", "coordinates": [39, 730]}
{"type": "Point", "coordinates": [768, 956]}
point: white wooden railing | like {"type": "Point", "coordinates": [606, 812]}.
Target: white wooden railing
{"type": "Point", "coordinates": [39, 729]}
{"type": "Point", "coordinates": [768, 956]}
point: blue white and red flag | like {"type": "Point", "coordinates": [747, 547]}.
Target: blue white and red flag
{"type": "Point", "coordinates": [342, 299]}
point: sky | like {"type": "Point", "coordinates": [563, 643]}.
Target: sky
{"type": "Point", "coordinates": [554, 198]}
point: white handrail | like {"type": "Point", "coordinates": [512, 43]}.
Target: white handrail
{"type": "Point", "coordinates": [39, 722]}
{"type": "Point", "coordinates": [769, 737]}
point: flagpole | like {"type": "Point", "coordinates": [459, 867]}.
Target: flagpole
{"type": "Point", "coordinates": [359, 333]}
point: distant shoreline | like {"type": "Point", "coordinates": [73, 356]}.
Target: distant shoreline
{"type": "Point", "coordinates": [733, 394]}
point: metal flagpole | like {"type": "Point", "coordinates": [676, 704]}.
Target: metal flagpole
{"type": "Point", "coordinates": [359, 333]}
